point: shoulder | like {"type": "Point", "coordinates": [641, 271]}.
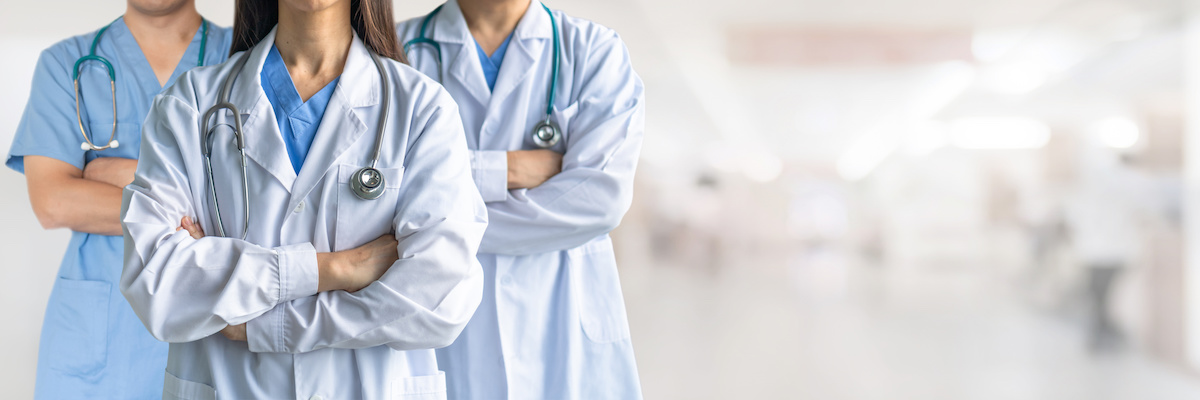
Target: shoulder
{"type": "Point", "coordinates": [64, 53]}
{"type": "Point", "coordinates": [585, 36]}
{"type": "Point", "coordinates": [220, 39]}
{"type": "Point", "coordinates": [421, 90]}
{"type": "Point", "coordinates": [407, 30]}
{"type": "Point", "coordinates": [199, 85]}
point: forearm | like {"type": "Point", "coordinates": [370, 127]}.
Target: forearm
{"type": "Point", "coordinates": [114, 171]}
{"type": "Point", "coordinates": [80, 205]}
{"type": "Point", "coordinates": [423, 301]}
{"type": "Point", "coordinates": [567, 211]}
{"type": "Point", "coordinates": [184, 289]}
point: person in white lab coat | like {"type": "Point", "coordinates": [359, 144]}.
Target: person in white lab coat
{"type": "Point", "coordinates": [329, 296]}
{"type": "Point", "coordinates": [552, 323]}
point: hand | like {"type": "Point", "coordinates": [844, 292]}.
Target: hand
{"type": "Point", "coordinates": [193, 228]}
{"type": "Point", "coordinates": [235, 333]}
{"type": "Point", "coordinates": [354, 269]}
{"type": "Point", "coordinates": [114, 171]}
{"type": "Point", "coordinates": [529, 168]}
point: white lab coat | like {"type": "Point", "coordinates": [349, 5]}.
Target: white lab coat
{"type": "Point", "coordinates": [552, 323]}
{"type": "Point", "coordinates": [372, 344]}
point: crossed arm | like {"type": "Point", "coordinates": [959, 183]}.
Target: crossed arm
{"type": "Point", "coordinates": [87, 200]}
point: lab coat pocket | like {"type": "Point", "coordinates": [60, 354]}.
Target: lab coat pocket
{"type": "Point", "coordinates": [601, 306]}
{"type": "Point", "coordinates": [175, 388]}
{"type": "Point", "coordinates": [76, 327]}
{"type": "Point", "coordinates": [429, 387]}
{"type": "Point", "coordinates": [562, 118]}
{"type": "Point", "coordinates": [360, 221]}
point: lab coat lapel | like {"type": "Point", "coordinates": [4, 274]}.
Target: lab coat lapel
{"type": "Point", "coordinates": [528, 44]}
{"type": "Point", "coordinates": [451, 32]}
{"type": "Point", "coordinates": [264, 144]}
{"type": "Point", "coordinates": [342, 125]}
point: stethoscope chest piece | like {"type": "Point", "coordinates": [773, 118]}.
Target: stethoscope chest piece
{"type": "Point", "coordinates": [546, 134]}
{"type": "Point", "coordinates": [367, 183]}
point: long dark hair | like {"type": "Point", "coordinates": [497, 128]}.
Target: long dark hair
{"type": "Point", "coordinates": [371, 19]}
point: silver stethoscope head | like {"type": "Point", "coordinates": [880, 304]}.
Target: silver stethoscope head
{"type": "Point", "coordinates": [367, 183]}
{"type": "Point", "coordinates": [546, 134]}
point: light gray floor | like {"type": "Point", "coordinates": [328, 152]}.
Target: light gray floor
{"type": "Point", "coordinates": [778, 325]}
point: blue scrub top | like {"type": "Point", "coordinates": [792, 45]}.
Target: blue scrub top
{"type": "Point", "coordinates": [92, 345]}
{"type": "Point", "coordinates": [298, 119]}
{"type": "Point", "coordinates": [491, 65]}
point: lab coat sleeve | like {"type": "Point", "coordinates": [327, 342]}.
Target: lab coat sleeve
{"type": "Point", "coordinates": [185, 289]}
{"type": "Point", "coordinates": [426, 298]}
{"type": "Point", "coordinates": [490, 170]}
{"type": "Point", "coordinates": [593, 191]}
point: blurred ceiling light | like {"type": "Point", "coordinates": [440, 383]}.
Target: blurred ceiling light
{"type": "Point", "coordinates": [756, 162]}
{"type": "Point", "coordinates": [925, 137]}
{"type": "Point", "coordinates": [1013, 78]}
{"type": "Point", "coordinates": [868, 152]}
{"type": "Point", "coordinates": [1115, 132]}
{"type": "Point", "coordinates": [762, 167]}
{"type": "Point", "coordinates": [948, 81]}
{"type": "Point", "coordinates": [989, 45]}
{"type": "Point", "coordinates": [999, 133]}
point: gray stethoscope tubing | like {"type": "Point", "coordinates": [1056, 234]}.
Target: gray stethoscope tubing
{"type": "Point", "coordinates": [546, 133]}
{"type": "Point", "coordinates": [367, 183]}
{"type": "Point", "coordinates": [112, 143]}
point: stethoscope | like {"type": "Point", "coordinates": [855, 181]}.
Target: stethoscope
{"type": "Point", "coordinates": [112, 78]}
{"type": "Point", "coordinates": [545, 133]}
{"type": "Point", "coordinates": [367, 183]}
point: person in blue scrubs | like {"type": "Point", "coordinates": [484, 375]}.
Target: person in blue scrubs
{"type": "Point", "coordinates": [92, 345]}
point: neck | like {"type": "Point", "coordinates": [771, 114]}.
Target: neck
{"type": "Point", "coordinates": [491, 21]}
{"type": "Point", "coordinates": [179, 23]}
{"type": "Point", "coordinates": [314, 44]}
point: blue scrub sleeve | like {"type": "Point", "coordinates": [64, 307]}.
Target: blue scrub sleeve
{"type": "Point", "coordinates": [48, 126]}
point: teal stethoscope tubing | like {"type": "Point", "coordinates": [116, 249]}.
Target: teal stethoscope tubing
{"type": "Point", "coordinates": [546, 133]}
{"type": "Point", "coordinates": [112, 78]}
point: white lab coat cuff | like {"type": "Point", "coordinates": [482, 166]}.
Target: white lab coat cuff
{"type": "Point", "coordinates": [490, 171]}
{"type": "Point", "coordinates": [263, 333]}
{"type": "Point", "coordinates": [298, 274]}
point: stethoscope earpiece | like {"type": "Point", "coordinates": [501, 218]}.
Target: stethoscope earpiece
{"type": "Point", "coordinates": [112, 144]}
{"type": "Point", "coordinates": [367, 183]}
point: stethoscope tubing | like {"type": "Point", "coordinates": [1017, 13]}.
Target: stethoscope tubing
{"type": "Point", "coordinates": [423, 39]}
{"type": "Point", "coordinates": [112, 77]}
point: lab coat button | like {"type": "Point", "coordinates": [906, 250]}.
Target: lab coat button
{"type": "Point", "coordinates": [316, 397]}
{"type": "Point", "coordinates": [506, 281]}
{"type": "Point", "coordinates": [299, 208]}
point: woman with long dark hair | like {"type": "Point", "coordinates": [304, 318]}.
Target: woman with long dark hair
{"type": "Point", "coordinates": [335, 183]}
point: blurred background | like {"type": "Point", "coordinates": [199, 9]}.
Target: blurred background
{"type": "Point", "coordinates": [856, 199]}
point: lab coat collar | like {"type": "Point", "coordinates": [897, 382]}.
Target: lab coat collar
{"type": "Point", "coordinates": [359, 86]}
{"type": "Point", "coordinates": [449, 26]}
{"type": "Point", "coordinates": [344, 122]}
{"type": "Point", "coordinates": [535, 24]}
{"type": "Point", "coordinates": [264, 144]}
{"type": "Point", "coordinates": [523, 52]}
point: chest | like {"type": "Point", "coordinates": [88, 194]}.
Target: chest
{"type": "Point", "coordinates": [318, 205]}
{"type": "Point", "coordinates": [503, 118]}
